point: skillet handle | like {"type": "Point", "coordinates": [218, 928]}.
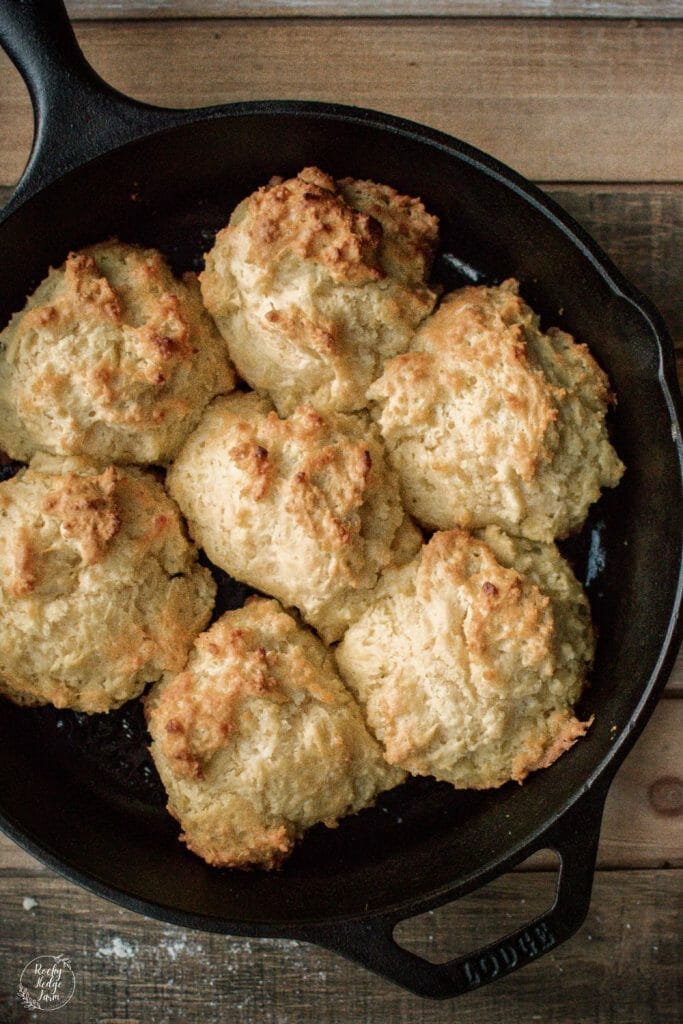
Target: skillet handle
{"type": "Point", "coordinates": [574, 838]}
{"type": "Point", "coordinates": [77, 116]}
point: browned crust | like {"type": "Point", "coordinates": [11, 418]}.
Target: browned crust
{"type": "Point", "coordinates": [498, 319]}
{"type": "Point", "coordinates": [328, 491]}
{"type": "Point", "coordinates": [564, 729]}
{"type": "Point", "coordinates": [61, 521]}
{"type": "Point", "coordinates": [253, 460]}
{"type": "Point", "coordinates": [150, 334]}
{"type": "Point", "coordinates": [87, 295]}
{"type": "Point", "coordinates": [328, 474]}
{"type": "Point", "coordinates": [219, 846]}
{"type": "Point", "coordinates": [409, 233]}
{"type": "Point", "coordinates": [192, 725]}
{"type": "Point", "coordinates": [502, 604]}
{"type": "Point", "coordinates": [26, 575]}
{"type": "Point", "coordinates": [320, 335]}
{"type": "Point", "coordinates": [306, 216]}
{"type": "Point", "coordinates": [87, 511]}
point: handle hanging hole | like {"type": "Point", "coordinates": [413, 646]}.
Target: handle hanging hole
{"type": "Point", "coordinates": [16, 128]}
{"type": "Point", "coordinates": [486, 916]}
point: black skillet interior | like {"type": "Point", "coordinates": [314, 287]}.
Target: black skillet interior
{"type": "Point", "coordinates": [81, 790]}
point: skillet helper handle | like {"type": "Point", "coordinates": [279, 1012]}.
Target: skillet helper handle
{"type": "Point", "coordinates": [77, 115]}
{"type": "Point", "coordinates": [574, 838]}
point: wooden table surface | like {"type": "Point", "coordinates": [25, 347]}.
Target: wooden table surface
{"type": "Point", "coordinates": [585, 97]}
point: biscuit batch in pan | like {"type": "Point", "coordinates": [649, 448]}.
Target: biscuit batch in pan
{"type": "Point", "coordinates": [370, 415]}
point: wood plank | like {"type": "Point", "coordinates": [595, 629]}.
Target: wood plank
{"type": "Point", "coordinates": [128, 970]}
{"type": "Point", "coordinates": [641, 229]}
{"type": "Point", "coordinates": [643, 823]}
{"type": "Point", "coordinates": [558, 100]}
{"type": "Point", "coordinates": [374, 8]}
{"type": "Point", "coordinates": [675, 684]}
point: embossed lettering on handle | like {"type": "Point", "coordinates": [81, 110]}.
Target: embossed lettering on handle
{"type": "Point", "coordinates": [537, 939]}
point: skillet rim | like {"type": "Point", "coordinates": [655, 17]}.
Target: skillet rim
{"type": "Point", "coordinates": [155, 122]}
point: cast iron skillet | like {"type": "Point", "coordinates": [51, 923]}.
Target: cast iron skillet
{"type": "Point", "coordinates": [79, 792]}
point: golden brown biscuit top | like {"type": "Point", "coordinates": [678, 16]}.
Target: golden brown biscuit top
{"type": "Point", "coordinates": [481, 334]}
{"type": "Point", "coordinates": [307, 217]}
{"type": "Point", "coordinates": [470, 659]}
{"type": "Point", "coordinates": [505, 610]}
{"type": "Point", "coordinates": [100, 589]}
{"type": "Point", "coordinates": [126, 287]}
{"type": "Point", "coordinates": [318, 471]}
{"type": "Point", "coordinates": [358, 230]}
{"type": "Point", "coordinates": [112, 358]}
{"type": "Point", "coordinates": [63, 515]}
{"type": "Point", "coordinates": [314, 284]}
{"type": "Point", "coordinates": [409, 233]}
{"type": "Point", "coordinates": [495, 326]}
{"type": "Point", "coordinates": [303, 508]}
{"type": "Point", "coordinates": [86, 510]}
{"type": "Point", "coordinates": [257, 653]}
{"type": "Point", "coordinates": [332, 463]}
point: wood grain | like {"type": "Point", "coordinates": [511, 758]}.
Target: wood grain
{"type": "Point", "coordinates": [593, 109]}
{"type": "Point", "coordinates": [374, 8]}
{"type": "Point", "coordinates": [641, 229]}
{"type": "Point", "coordinates": [558, 100]}
{"type": "Point", "coordinates": [643, 822]}
{"type": "Point", "coordinates": [617, 970]}
{"type": "Point", "coordinates": [675, 685]}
